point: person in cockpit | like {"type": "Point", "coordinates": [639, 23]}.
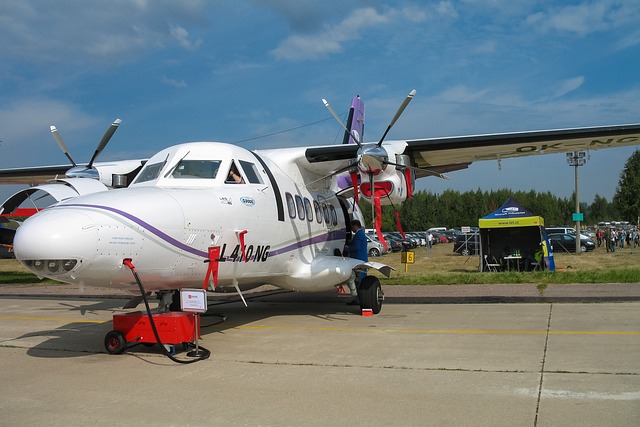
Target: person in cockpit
{"type": "Point", "coordinates": [234, 176]}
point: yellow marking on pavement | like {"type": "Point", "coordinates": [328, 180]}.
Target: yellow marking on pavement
{"type": "Point", "coordinates": [53, 319]}
{"type": "Point", "coordinates": [346, 329]}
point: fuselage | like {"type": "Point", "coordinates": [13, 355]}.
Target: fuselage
{"type": "Point", "coordinates": [269, 227]}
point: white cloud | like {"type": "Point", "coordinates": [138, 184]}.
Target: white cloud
{"type": "Point", "coordinates": [181, 35]}
{"type": "Point", "coordinates": [25, 128]}
{"type": "Point", "coordinates": [446, 8]}
{"type": "Point", "coordinates": [331, 39]}
{"type": "Point", "coordinates": [569, 85]}
{"type": "Point", "coordinates": [94, 32]}
{"type": "Point", "coordinates": [180, 84]}
{"type": "Point", "coordinates": [586, 18]}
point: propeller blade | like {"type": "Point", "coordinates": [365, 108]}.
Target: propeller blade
{"type": "Point", "coordinates": [406, 102]}
{"type": "Point", "coordinates": [103, 142]}
{"type": "Point", "coordinates": [354, 135]}
{"type": "Point", "coordinates": [61, 144]}
{"type": "Point", "coordinates": [335, 172]}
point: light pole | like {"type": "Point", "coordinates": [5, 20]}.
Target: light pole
{"type": "Point", "coordinates": [575, 159]}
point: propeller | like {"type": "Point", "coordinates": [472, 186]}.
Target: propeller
{"type": "Point", "coordinates": [103, 143]}
{"type": "Point", "coordinates": [61, 144]}
{"type": "Point", "coordinates": [371, 160]}
{"type": "Point", "coordinates": [406, 102]}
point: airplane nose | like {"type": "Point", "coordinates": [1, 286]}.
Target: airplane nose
{"type": "Point", "coordinates": [55, 241]}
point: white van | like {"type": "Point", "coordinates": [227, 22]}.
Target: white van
{"type": "Point", "coordinates": [437, 229]}
{"type": "Point", "coordinates": [565, 230]}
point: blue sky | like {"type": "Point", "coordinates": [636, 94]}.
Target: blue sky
{"type": "Point", "coordinates": [234, 71]}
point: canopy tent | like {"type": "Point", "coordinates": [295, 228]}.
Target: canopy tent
{"type": "Point", "coordinates": [514, 238]}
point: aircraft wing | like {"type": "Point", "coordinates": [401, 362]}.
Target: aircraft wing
{"type": "Point", "coordinates": [32, 175]}
{"type": "Point", "coordinates": [446, 154]}
{"type": "Point", "coordinates": [459, 152]}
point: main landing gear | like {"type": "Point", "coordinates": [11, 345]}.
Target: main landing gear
{"type": "Point", "coordinates": [370, 294]}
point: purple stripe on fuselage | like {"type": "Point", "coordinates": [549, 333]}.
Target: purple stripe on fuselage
{"type": "Point", "coordinates": [332, 235]}
{"type": "Point", "coordinates": [164, 236]}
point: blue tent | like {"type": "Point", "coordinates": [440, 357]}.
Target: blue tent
{"type": "Point", "coordinates": [514, 238]}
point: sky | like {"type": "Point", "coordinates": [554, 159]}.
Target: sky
{"type": "Point", "coordinates": [254, 73]}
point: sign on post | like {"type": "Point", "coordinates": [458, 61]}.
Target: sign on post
{"type": "Point", "coordinates": [407, 257]}
{"type": "Point", "coordinates": [193, 300]}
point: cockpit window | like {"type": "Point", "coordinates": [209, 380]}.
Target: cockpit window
{"type": "Point", "coordinates": [234, 176]}
{"type": "Point", "coordinates": [196, 169]}
{"type": "Point", "coordinates": [251, 172]}
{"type": "Point", "coordinates": [150, 172]}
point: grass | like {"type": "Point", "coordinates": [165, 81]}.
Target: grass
{"type": "Point", "coordinates": [440, 266]}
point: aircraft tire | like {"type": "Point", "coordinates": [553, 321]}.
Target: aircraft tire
{"type": "Point", "coordinates": [371, 295]}
{"type": "Point", "coordinates": [115, 342]}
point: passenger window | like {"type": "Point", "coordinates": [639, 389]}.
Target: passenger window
{"type": "Point", "coordinates": [316, 207]}
{"type": "Point", "coordinates": [309, 209]}
{"type": "Point", "coordinates": [291, 205]}
{"type": "Point", "coordinates": [251, 172]}
{"type": "Point", "coordinates": [300, 207]}
{"type": "Point", "coordinates": [325, 211]}
{"type": "Point", "coordinates": [334, 216]}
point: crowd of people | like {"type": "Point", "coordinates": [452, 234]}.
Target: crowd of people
{"type": "Point", "coordinates": [612, 238]}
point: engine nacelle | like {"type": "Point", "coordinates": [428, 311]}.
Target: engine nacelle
{"type": "Point", "coordinates": [394, 185]}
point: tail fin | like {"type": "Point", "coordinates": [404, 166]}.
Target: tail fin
{"type": "Point", "coordinates": [355, 121]}
{"type": "Point", "coordinates": [355, 124]}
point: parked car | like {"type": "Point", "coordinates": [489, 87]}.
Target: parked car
{"type": "Point", "coordinates": [407, 241]}
{"type": "Point", "coordinates": [396, 244]}
{"type": "Point", "coordinates": [566, 230]}
{"type": "Point", "coordinates": [450, 234]}
{"type": "Point", "coordinates": [374, 248]}
{"type": "Point", "coordinates": [418, 237]}
{"type": "Point", "coordinates": [467, 244]}
{"type": "Point", "coordinates": [439, 238]}
{"type": "Point", "coordinates": [566, 242]}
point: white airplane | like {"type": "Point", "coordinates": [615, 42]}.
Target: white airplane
{"type": "Point", "coordinates": [284, 219]}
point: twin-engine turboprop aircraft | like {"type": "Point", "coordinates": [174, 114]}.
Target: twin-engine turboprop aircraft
{"type": "Point", "coordinates": [278, 216]}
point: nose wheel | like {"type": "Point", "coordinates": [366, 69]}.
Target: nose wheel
{"type": "Point", "coordinates": [371, 295]}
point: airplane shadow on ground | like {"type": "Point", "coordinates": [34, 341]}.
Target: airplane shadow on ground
{"type": "Point", "coordinates": [86, 338]}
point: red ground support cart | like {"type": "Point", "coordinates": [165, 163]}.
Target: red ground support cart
{"type": "Point", "coordinates": [174, 327]}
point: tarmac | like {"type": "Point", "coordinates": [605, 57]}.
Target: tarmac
{"type": "Point", "coordinates": [484, 355]}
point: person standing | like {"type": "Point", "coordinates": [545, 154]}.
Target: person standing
{"type": "Point", "coordinates": [358, 250]}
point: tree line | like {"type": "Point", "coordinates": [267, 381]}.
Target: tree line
{"type": "Point", "coordinates": [454, 209]}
